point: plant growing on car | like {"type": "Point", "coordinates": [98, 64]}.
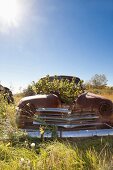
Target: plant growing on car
{"type": "Point", "coordinates": [65, 89]}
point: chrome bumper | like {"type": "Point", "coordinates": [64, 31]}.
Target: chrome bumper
{"type": "Point", "coordinates": [72, 134]}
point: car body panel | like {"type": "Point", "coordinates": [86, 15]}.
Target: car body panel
{"type": "Point", "coordinates": [87, 111]}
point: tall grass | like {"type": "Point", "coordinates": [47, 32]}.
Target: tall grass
{"type": "Point", "coordinates": [54, 156]}
{"type": "Point", "coordinates": [105, 91]}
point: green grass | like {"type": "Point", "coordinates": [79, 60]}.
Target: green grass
{"type": "Point", "coordinates": [57, 155]}
{"type": "Point", "coordinates": [16, 153]}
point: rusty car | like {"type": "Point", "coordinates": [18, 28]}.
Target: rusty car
{"type": "Point", "coordinates": [88, 111]}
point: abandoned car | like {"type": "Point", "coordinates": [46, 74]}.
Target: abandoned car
{"type": "Point", "coordinates": [87, 111]}
{"type": "Point", "coordinates": [7, 93]}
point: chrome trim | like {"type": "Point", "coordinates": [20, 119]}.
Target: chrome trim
{"type": "Point", "coordinates": [61, 110]}
{"type": "Point", "coordinates": [73, 134]}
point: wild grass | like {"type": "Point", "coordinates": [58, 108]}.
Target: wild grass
{"type": "Point", "coordinates": [20, 152]}
{"type": "Point", "coordinates": [55, 155]}
{"type": "Point", "coordinates": [106, 92]}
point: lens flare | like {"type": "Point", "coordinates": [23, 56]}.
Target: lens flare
{"type": "Point", "coordinates": [10, 13]}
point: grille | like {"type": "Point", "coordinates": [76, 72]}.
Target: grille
{"type": "Point", "coordinates": [66, 120]}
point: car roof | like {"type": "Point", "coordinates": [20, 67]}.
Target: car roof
{"type": "Point", "coordinates": [70, 78]}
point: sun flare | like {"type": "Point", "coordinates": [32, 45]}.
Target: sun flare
{"type": "Point", "coordinates": [9, 12]}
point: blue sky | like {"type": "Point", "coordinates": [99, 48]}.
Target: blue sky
{"type": "Point", "coordinates": [55, 37]}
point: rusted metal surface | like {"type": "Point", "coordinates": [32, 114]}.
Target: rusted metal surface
{"type": "Point", "coordinates": [37, 101]}
{"type": "Point", "coordinates": [89, 114]}
{"type": "Point", "coordinates": [94, 102]}
{"type": "Point", "coordinates": [64, 120]}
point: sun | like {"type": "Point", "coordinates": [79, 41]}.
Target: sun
{"type": "Point", "coordinates": [9, 12]}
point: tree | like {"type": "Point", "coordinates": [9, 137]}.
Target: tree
{"type": "Point", "coordinates": [99, 80]}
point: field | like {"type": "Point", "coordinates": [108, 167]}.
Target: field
{"type": "Point", "coordinates": [20, 152]}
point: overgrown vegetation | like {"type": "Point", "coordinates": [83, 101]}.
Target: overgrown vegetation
{"type": "Point", "coordinates": [57, 155]}
{"type": "Point", "coordinates": [65, 89]}
{"type": "Point", "coordinates": [20, 152]}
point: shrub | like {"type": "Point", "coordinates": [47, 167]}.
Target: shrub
{"type": "Point", "coordinates": [65, 89]}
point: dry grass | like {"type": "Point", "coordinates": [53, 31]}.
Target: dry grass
{"type": "Point", "coordinates": [108, 96]}
{"type": "Point", "coordinates": [106, 92]}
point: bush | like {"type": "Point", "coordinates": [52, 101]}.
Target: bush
{"type": "Point", "coordinates": [3, 106]}
{"type": "Point", "coordinates": [29, 91]}
{"type": "Point", "coordinates": [65, 89]}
